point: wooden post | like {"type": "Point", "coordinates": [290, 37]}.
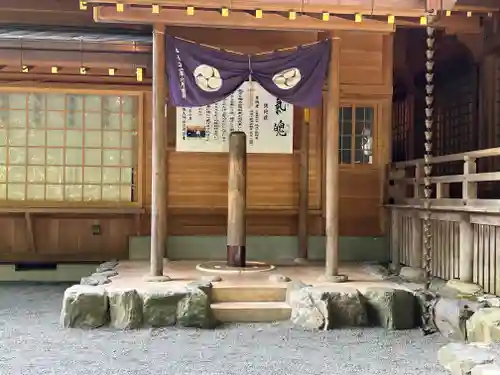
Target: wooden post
{"type": "Point", "coordinates": [304, 188]}
{"type": "Point", "coordinates": [395, 242]}
{"type": "Point", "coordinates": [159, 158]}
{"type": "Point", "coordinates": [416, 245]}
{"type": "Point", "coordinates": [237, 200]}
{"type": "Point", "coordinates": [466, 248]}
{"type": "Point", "coordinates": [332, 168]}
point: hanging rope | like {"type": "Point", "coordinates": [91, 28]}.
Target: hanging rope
{"type": "Point", "coordinates": [429, 109]}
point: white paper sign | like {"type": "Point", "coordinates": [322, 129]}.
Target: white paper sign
{"type": "Point", "coordinates": [266, 120]}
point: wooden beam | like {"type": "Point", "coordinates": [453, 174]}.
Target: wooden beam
{"type": "Point", "coordinates": [401, 8]}
{"type": "Point", "coordinates": [52, 17]}
{"type": "Point", "coordinates": [332, 167]}
{"type": "Point", "coordinates": [75, 59]}
{"type": "Point", "coordinates": [159, 133]}
{"type": "Point", "coordinates": [240, 20]}
{"type": "Point", "coordinates": [36, 76]}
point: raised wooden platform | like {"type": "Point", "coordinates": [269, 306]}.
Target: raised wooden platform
{"type": "Point", "coordinates": [252, 297]}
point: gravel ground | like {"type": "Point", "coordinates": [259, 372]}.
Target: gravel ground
{"type": "Point", "coordinates": [31, 343]}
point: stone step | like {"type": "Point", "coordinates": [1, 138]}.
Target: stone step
{"type": "Point", "coordinates": [250, 312]}
{"type": "Point", "coordinates": [239, 293]}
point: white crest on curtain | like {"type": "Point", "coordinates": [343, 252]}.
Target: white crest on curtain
{"type": "Point", "coordinates": [287, 79]}
{"type": "Point", "coordinates": [207, 78]}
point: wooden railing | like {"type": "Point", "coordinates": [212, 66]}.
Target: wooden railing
{"type": "Point", "coordinates": [465, 230]}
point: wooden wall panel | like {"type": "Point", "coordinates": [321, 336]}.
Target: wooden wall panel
{"type": "Point", "coordinates": [361, 58]}
{"type": "Point", "coordinates": [207, 224]}
{"type": "Point", "coordinates": [360, 192]}
{"type": "Point", "coordinates": [65, 238]}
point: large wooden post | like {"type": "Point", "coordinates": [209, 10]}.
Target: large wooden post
{"type": "Point", "coordinates": [237, 200]}
{"type": "Point", "coordinates": [332, 167]}
{"type": "Point", "coordinates": [159, 156]}
{"type": "Point", "coordinates": [304, 189]}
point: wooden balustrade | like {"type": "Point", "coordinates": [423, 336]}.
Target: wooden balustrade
{"type": "Point", "coordinates": [465, 229]}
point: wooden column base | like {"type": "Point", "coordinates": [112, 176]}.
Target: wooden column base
{"type": "Point", "coordinates": [236, 256]}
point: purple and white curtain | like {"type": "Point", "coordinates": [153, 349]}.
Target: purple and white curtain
{"type": "Point", "coordinates": [199, 75]}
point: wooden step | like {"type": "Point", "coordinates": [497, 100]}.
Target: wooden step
{"type": "Point", "coordinates": [239, 293]}
{"type": "Point", "coordinates": [250, 312]}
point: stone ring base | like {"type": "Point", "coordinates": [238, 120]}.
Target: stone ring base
{"type": "Point", "coordinates": [156, 279]}
{"type": "Point", "coordinates": [333, 278]}
{"type": "Point", "coordinates": [221, 267]}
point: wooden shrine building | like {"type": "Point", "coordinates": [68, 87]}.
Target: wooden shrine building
{"type": "Point", "coordinates": [88, 156]}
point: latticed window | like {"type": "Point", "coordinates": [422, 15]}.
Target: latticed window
{"type": "Point", "coordinates": [67, 147]}
{"type": "Point", "coordinates": [356, 134]}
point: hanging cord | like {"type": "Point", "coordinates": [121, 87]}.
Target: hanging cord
{"type": "Point", "coordinates": [429, 109]}
{"type": "Point", "coordinates": [250, 80]}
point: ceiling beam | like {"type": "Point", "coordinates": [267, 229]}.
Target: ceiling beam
{"type": "Point", "coordinates": [236, 20]}
{"type": "Point", "coordinates": [401, 8]}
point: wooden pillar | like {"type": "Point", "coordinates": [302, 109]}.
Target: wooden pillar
{"type": "Point", "coordinates": [332, 168]}
{"type": "Point", "coordinates": [237, 200]}
{"type": "Point", "coordinates": [159, 157]}
{"type": "Point", "coordinates": [304, 188]}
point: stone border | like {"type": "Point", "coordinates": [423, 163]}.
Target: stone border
{"type": "Point", "coordinates": [331, 306]}
{"type": "Point", "coordinates": [86, 306]}
{"type": "Point", "coordinates": [102, 274]}
{"type": "Point", "coordinates": [460, 311]}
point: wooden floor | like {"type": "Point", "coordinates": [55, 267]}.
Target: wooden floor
{"type": "Point", "coordinates": [131, 273]}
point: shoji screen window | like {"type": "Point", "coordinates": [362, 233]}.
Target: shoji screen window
{"type": "Point", "coordinates": [67, 147]}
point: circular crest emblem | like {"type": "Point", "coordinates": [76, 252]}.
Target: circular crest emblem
{"type": "Point", "coordinates": [287, 79]}
{"type": "Point", "coordinates": [207, 78]}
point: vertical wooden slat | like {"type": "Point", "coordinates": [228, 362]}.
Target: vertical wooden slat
{"type": "Point", "coordinates": [492, 260]}
{"type": "Point", "coordinates": [480, 258]}
{"type": "Point", "coordinates": [497, 261]}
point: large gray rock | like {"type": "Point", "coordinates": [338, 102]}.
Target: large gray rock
{"type": "Point", "coordinates": [194, 309]}
{"type": "Point", "coordinates": [159, 307]}
{"type": "Point", "coordinates": [107, 266]}
{"type": "Point", "coordinates": [484, 325]}
{"type": "Point", "coordinates": [110, 273]}
{"type": "Point", "coordinates": [95, 279]}
{"type": "Point", "coordinates": [460, 358]}
{"type": "Point", "coordinates": [450, 316]}
{"type": "Point", "coordinates": [489, 300]}
{"type": "Point", "coordinates": [461, 290]}
{"type": "Point", "coordinates": [308, 312]}
{"type": "Point", "coordinates": [84, 307]}
{"type": "Point", "coordinates": [293, 286]}
{"type": "Point", "coordinates": [125, 308]}
{"type": "Point", "coordinates": [390, 308]}
{"type": "Point", "coordinates": [326, 307]}
{"type": "Point", "coordinates": [413, 275]}
{"type": "Point", "coordinates": [488, 369]}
